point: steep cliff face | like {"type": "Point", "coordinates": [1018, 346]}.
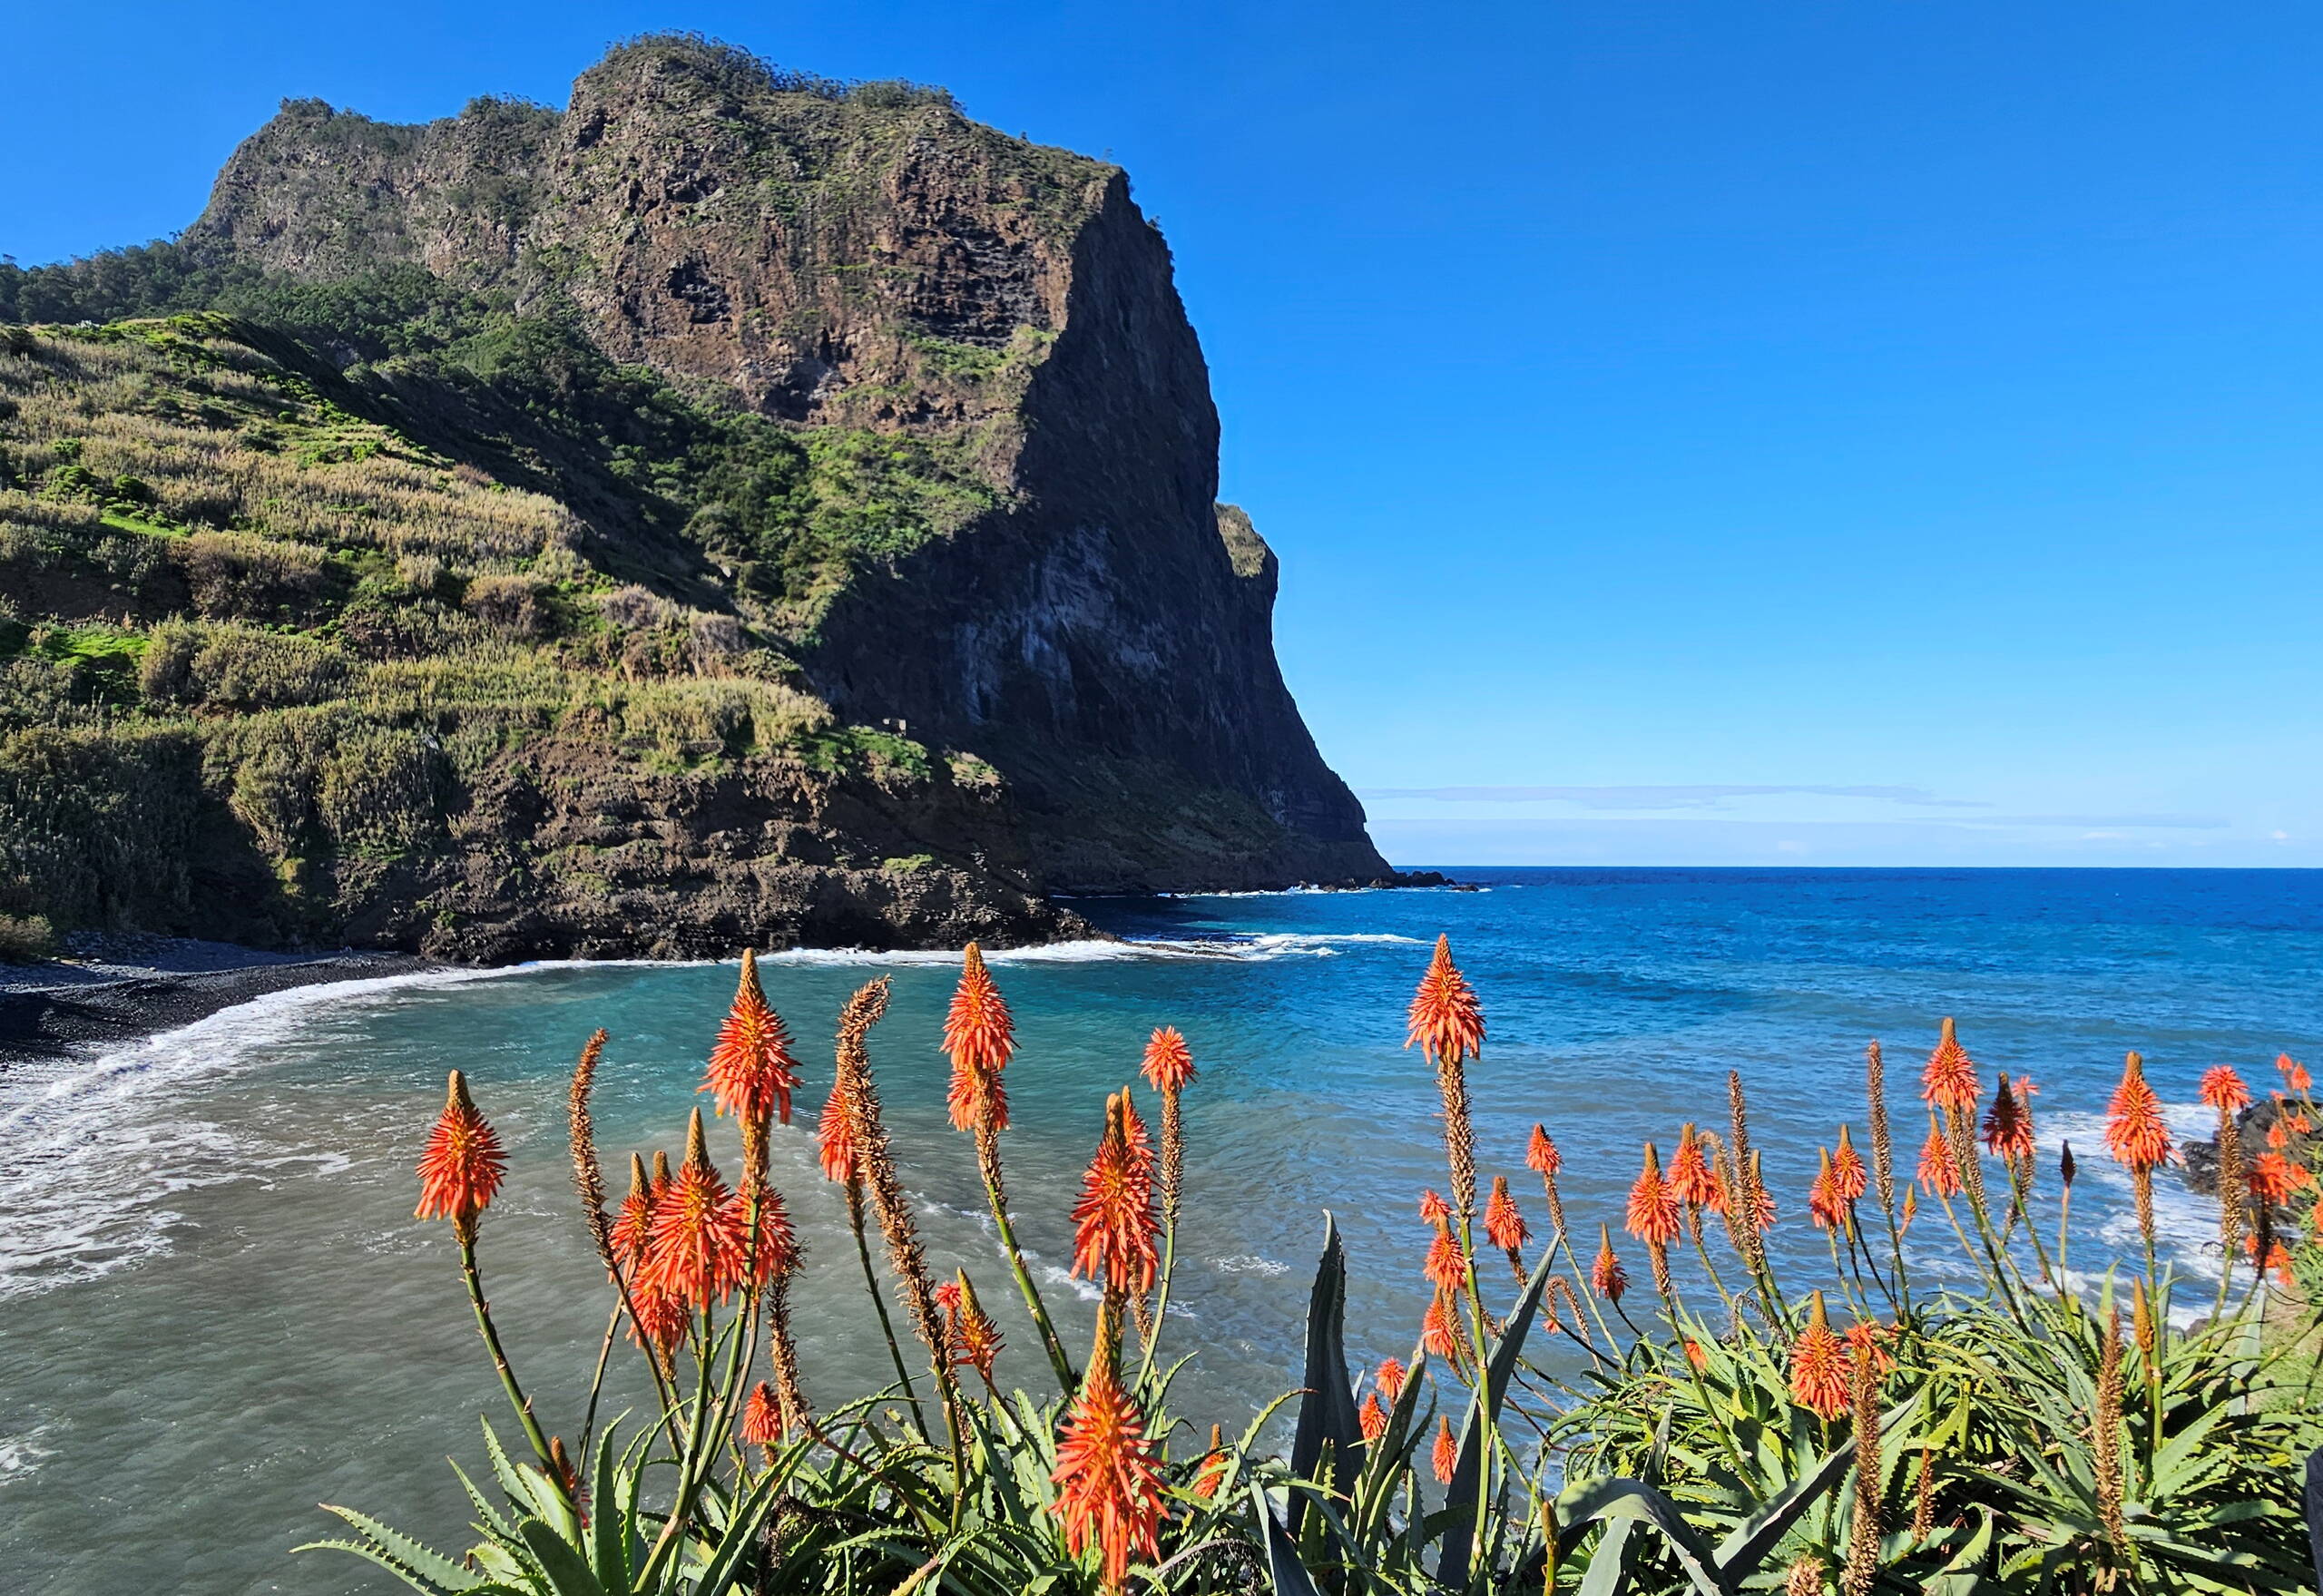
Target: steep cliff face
{"type": "Point", "coordinates": [876, 260]}
{"type": "Point", "coordinates": [997, 532]}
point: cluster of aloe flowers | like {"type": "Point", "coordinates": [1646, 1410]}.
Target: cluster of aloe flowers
{"type": "Point", "coordinates": [1760, 1441]}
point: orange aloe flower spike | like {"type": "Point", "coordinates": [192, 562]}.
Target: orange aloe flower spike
{"type": "Point", "coordinates": [1445, 1459]}
{"type": "Point", "coordinates": [1392, 1375]}
{"type": "Point", "coordinates": [1432, 1209]}
{"type": "Point", "coordinates": [1437, 1333]}
{"type": "Point", "coordinates": [841, 1159]}
{"type": "Point", "coordinates": [1372, 1417]}
{"type": "Point", "coordinates": [1447, 1021]}
{"type": "Point", "coordinates": [1107, 1479]}
{"type": "Point", "coordinates": [697, 1249]}
{"type": "Point", "coordinates": [2134, 1131]}
{"type": "Point", "coordinates": [1823, 1205]}
{"type": "Point", "coordinates": [762, 1419]}
{"type": "Point", "coordinates": [1653, 1217]}
{"type": "Point", "coordinates": [461, 1170]}
{"type": "Point", "coordinates": [1849, 1178]}
{"type": "Point", "coordinates": [752, 1071]}
{"type": "Point", "coordinates": [1939, 1171]}
{"type": "Point", "coordinates": [1115, 1226]}
{"type": "Point", "coordinates": [980, 1037]}
{"type": "Point", "coordinates": [1818, 1366]}
{"type": "Point", "coordinates": [1504, 1225]}
{"type": "Point", "coordinates": [2223, 1089]}
{"type": "Point", "coordinates": [633, 1226]}
{"type": "Point", "coordinates": [1541, 1154]}
{"type": "Point", "coordinates": [1691, 1178]}
{"type": "Point", "coordinates": [1949, 1081]}
{"type": "Point", "coordinates": [1168, 1062]}
{"type": "Point", "coordinates": [1445, 1269]}
{"type": "Point", "coordinates": [1606, 1276]}
{"type": "Point", "coordinates": [2294, 1073]}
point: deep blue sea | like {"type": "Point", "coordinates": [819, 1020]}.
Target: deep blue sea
{"type": "Point", "coordinates": [216, 1311]}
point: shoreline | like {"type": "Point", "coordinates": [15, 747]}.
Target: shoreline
{"type": "Point", "coordinates": [120, 989]}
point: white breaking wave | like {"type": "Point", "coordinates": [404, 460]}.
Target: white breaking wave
{"type": "Point", "coordinates": [92, 1147]}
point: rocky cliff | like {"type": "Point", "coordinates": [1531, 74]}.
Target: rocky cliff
{"type": "Point", "coordinates": [909, 407]}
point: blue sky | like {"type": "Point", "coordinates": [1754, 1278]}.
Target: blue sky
{"type": "Point", "coordinates": [1856, 433]}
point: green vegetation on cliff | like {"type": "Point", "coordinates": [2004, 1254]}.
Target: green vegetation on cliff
{"type": "Point", "coordinates": [253, 631]}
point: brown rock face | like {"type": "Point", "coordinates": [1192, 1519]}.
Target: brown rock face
{"type": "Point", "coordinates": [874, 259]}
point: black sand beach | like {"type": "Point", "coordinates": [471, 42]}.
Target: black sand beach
{"type": "Point", "coordinates": [116, 987]}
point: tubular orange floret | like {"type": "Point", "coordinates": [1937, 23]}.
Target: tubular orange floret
{"type": "Point", "coordinates": [1107, 1479]}
{"type": "Point", "coordinates": [1168, 1062]}
{"type": "Point", "coordinates": [1690, 1180]}
{"type": "Point", "coordinates": [762, 1419]}
{"type": "Point", "coordinates": [2134, 1131]}
{"type": "Point", "coordinates": [1849, 1178]}
{"type": "Point", "coordinates": [1541, 1154]}
{"type": "Point", "coordinates": [1939, 1171]}
{"type": "Point", "coordinates": [2008, 1127]}
{"type": "Point", "coordinates": [1372, 1417]}
{"type": "Point", "coordinates": [1818, 1366]}
{"type": "Point", "coordinates": [2294, 1073]}
{"type": "Point", "coordinates": [1653, 1217]}
{"type": "Point", "coordinates": [697, 1242]}
{"type": "Point", "coordinates": [634, 1227]}
{"type": "Point", "coordinates": [1445, 1459]}
{"type": "Point", "coordinates": [1115, 1226]}
{"type": "Point", "coordinates": [1504, 1225]}
{"type": "Point", "coordinates": [463, 1165]}
{"type": "Point", "coordinates": [980, 1037]}
{"type": "Point", "coordinates": [1433, 1210]}
{"type": "Point", "coordinates": [2223, 1089]}
{"type": "Point", "coordinates": [1949, 1081]}
{"type": "Point", "coordinates": [752, 1071]}
{"type": "Point", "coordinates": [1446, 1020]}
{"type": "Point", "coordinates": [1391, 1378]}
{"type": "Point", "coordinates": [1607, 1279]}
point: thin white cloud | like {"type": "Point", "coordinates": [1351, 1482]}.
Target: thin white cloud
{"type": "Point", "coordinates": [1699, 797]}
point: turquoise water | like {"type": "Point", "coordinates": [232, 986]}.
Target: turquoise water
{"type": "Point", "coordinates": [215, 1310]}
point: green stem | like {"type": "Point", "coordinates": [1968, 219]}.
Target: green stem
{"type": "Point", "coordinates": [500, 1359]}
{"type": "Point", "coordinates": [1058, 1361]}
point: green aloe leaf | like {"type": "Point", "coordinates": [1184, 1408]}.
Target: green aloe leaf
{"type": "Point", "coordinates": [1327, 1415]}
{"type": "Point", "coordinates": [1285, 1573]}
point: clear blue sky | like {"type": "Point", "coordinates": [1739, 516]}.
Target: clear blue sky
{"type": "Point", "coordinates": [1853, 404]}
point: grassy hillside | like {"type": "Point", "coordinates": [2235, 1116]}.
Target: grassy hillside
{"type": "Point", "coordinates": [263, 647]}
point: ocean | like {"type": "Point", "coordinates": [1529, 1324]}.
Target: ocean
{"type": "Point", "coordinates": [216, 1311]}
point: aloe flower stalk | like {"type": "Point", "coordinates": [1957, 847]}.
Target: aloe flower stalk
{"type": "Point", "coordinates": [459, 1174]}
{"type": "Point", "coordinates": [980, 1037]}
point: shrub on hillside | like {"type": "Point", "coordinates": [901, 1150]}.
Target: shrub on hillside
{"type": "Point", "coordinates": [26, 939]}
{"type": "Point", "coordinates": [234, 576]}
{"type": "Point", "coordinates": [236, 667]}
